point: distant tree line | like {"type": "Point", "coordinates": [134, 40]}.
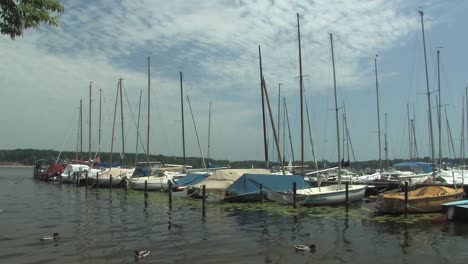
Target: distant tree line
{"type": "Point", "coordinates": [29, 157]}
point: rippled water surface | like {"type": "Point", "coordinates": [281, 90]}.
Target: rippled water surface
{"type": "Point", "coordinates": [104, 226]}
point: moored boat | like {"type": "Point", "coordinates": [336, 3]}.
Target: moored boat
{"type": "Point", "coordinates": [425, 199]}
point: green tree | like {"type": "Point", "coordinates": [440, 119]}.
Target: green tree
{"type": "Point", "coordinates": [18, 15]}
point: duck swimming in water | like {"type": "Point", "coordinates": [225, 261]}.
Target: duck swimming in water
{"type": "Point", "coordinates": [54, 237]}
{"type": "Point", "coordinates": [304, 247]}
{"type": "Point", "coordinates": [139, 254]}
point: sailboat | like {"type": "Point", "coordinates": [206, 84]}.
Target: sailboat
{"type": "Point", "coordinates": [326, 195]}
{"type": "Point", "coordinates": [425, 199]}
{"type": "Point", "coordinates": [156, 176]}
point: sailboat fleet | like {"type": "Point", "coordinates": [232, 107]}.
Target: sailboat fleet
{"type": "Point", "coordinates": [303, 188]}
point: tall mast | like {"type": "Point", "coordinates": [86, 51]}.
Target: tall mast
{"type": "Point", "coordinates": [289, 130]}
{"type": "Point", "coordinates": [100, 110]}
{"type": "Point", "coordinates": [431, 135]}
{"type": "Point", "coordinates": [263, 108]}
{"type": "Point", "coordinates": [89, 126]}
{"type": "Point", "coordinates": [149, 96]}
{"type": "Point", "coordinates": [336, 113]}
{"type": "Point", "coordinates": [81, 129]}
{"type": "Point", "coordinates": [439, 114]}
{"type": "Point", "coordinates": [272, 121]}
{"type": "Point", "coordinates": [138, 130]}
{"type": "Point", "coordinates": [301, 95]}
{"type": "Point", "coordinates": [122, 119]}
{"type": "Point", "coordinates": [386, 143]}
{"type": "Point", "coordinates": [113, 124]}
{"type": "Point", "coordinates": [209, 129]}
{"type": "Point", "coordinates": [378, 114]}
{"type": "Point", "coordinates": [182, 114]}
{"type": "Point", "coordinates": [279, 119]}
{"type": "Point", "coordinates": [410, 142]}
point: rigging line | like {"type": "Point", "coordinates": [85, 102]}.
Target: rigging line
{"type": "Point", "coordinates": [196, 133]}
{"type": "Point", "coordinates": [65, 140]}
{"type": "Point", "coordinates": [133, 117]}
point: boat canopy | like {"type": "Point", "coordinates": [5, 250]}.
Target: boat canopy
{"type": "Point", "coordinates": [191, 179]}
{"type": "Point", "coordinates": [223, 178]}
{"type": "Point", "coordinates": [250, 183]}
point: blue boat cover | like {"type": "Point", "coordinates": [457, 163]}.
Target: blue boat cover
{"type": "Point", "coordinates": [416, 166]}
{"type": "Point", "coordinates": [191, 179]}
{"type": "Point", "coordinates": [250, 183]}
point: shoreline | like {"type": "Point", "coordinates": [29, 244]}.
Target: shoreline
{"type": "Point", "coordinates": [15, 166]}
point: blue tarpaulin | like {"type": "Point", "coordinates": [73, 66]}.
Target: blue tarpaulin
{"type": "Point", "coordinates": [191, 179]}
{"type": "Point", "coordinates": [415, 166]}
{"type": "Point", "coordinates": [249, 184]}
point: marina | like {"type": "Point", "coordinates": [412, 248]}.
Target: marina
{"type": "Point", "coordinates": [108, 225]}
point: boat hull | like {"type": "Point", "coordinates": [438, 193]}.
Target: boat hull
{"type": "Point", "coordinates": [327, 195]}
{"type": "Point", "coordinates": [426, 199]}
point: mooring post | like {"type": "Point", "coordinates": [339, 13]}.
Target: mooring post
{"type": "Point", "coordinates": [96, 184]}
{"type": "Point", "coordinates": [406, 199]}
{"type": "Point", "coordinates": [261, 193]}
{"type": "Point", "coordinates": [204, 200]}
{"type": "Point", "coordinates": [146, 190]}
{"type": "Point", "coordinates": [169, 183]}
{"type": "Point", "coordinates": [294, 194]}
{"type": "Point", "coordinates": [110, 182]}
{"type": "Point", "coordinates": [86, 176]}
{"type": "Point", "coordinates": [125, 184]}
{"type": "Point", "coordinates": [347, 191]}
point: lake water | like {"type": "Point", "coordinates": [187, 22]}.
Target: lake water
{"type": "Point", "coordinates": [103, 226]}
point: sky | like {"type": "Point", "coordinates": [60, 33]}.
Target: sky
{"type": "Point", "coordinates": [215, 44]}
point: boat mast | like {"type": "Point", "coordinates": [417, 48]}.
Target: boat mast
{"type": "Point", "coordinates": [100, 110]}
{"type": "Point", "coordinates": [431, 135]}
{"type": "Point", "coordinates": [138, 130]}
{"type": "Point", "coordinates": [439, 106]}
{"type": "Point", "coordinates": [410, 142]}
{"type": "Point", "coordinates": [209, 130]}
{"type": "Point", "coordinates": [336, 113]}
{"type": "Point", "coordinates": [263, 108]}
{"type": "Point", "coordinates": [81, 129]}
{"type": "Point", "coordinates": [386, 143]}
{"type": "Point", "coordinates": [311, 138]}
{"type": "Point", "coordinates": [113, 124]}
{"type": "Point", "coordinates": [273, 125]}
{"type": "Point", "coordinates": [378, 115]}
{"type": "Point", "coordinates": [89, 132]}
{"type": "Point", "coordinates": [122, 121]}
{"type": "Point", "coordinates": [182, 114]}
{"type": "Point", "coordinates": [289, 130]}
{"type": "Point", "coordinates": [149, 96]}
{"type": "Point", "coordinates": [301, 95]}
{"type": "Point", "coordinates": [279, 120]}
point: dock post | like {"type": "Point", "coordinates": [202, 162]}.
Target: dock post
{"type": "Point", "coordinates": [261, 193]}
{"type": "Point", "coordinates": [347, 191]}
{"type": "Point", "coordinates": [406, 199]}
{"type": "Point", "coordinates": [169, 183]}
{"type": "Point", "coordinates": [110, 182]}
{"type": "Point", "coordinates": [125, 184]}
{"type": "Point", "coordinates": [294, 194]}
{"type": "Point", "coordinates": [86, 176]}
{"type": "Point", "coordinates": [146, 190]}
{"type": "Point", "coordinates": [204, 200]}
{"type": "Point", "coordinates": [96, 184]}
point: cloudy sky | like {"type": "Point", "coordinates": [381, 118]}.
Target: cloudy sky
{"type": "Point", "coordinates": [46, 73]}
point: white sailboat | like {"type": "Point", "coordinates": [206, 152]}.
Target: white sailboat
{"type": "Point", "coordinates": [327, 195]}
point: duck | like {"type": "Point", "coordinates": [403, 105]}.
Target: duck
{"type": "Point", "coordinates": [139, 254]}
{"type": "Point", "coordinates": [54, 236]}
{"type": "Point", "coordinates": [304, 247]}
{"type": "Point", "coordinates": [173, 225]}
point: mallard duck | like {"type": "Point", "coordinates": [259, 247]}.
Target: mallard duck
{"type": "Point", "coordinates": [54, 236]}
{"type": "Point", "coordinates": [304, 247]}
{"type": "Point", "coordinates": [173, 225]}
{"type": "Point", "coordinates": [139, 254]}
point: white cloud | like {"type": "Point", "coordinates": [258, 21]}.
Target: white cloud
{"type": "Point", "coordinates": [215, 43]}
